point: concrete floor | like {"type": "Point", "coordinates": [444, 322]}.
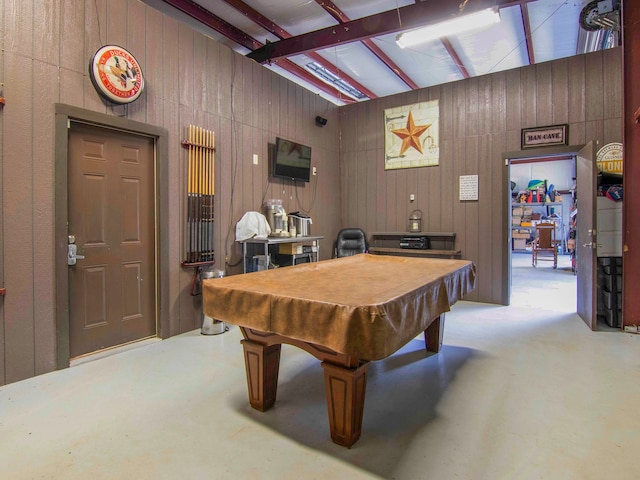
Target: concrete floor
{"type": "Point", "coordinates": [516, 393]}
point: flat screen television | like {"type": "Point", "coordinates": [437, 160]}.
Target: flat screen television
{"type": "Point", "coordinates": [291, 160]}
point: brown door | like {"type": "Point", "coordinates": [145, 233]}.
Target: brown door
{"type": "Point", "coordinates": [586, 235]}
{"type": "Point", "coordinates": [112, 292]}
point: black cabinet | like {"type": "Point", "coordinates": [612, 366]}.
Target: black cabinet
{"type": "Point", "coordinates": [610, 290]}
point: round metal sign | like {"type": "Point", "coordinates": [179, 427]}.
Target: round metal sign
{"type": "Point", "coordinates": [609, 158]}
{"type": "Point", "coordinates": [116, 74]}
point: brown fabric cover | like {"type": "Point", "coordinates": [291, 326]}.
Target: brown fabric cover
{"type": "Point", "coordinates": [367, 306]}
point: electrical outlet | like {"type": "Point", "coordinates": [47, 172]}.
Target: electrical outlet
{"type": "Point", "coordinates": [255, 159]}
{"type": "Point", "coordinates": [314, 171]}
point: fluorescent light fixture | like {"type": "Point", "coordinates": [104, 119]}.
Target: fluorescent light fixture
{"type": "Point", "coordinates": [464, 23]}
{"type": "Point", "coordinates": [337, 82]}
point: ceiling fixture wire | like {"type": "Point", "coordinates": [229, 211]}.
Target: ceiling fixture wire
{"type": "Point", "coordinates": [95, 3]}
{"type": "Point", "coordinates": [530, 36]}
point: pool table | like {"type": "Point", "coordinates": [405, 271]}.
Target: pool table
{"type": "Point", "coordinates": [346, 312]}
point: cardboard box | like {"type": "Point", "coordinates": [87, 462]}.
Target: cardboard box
{"type": "Point", "coordinates": [290, 248]}
{"type": "Point", "coordinates": [519, 243]}
{"type": "Point", "coordinates": [520, 235]}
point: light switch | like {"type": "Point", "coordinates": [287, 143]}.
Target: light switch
{"type": "Point", "coordinates": [255, 159]}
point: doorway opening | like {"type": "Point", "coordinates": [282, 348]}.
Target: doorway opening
{"type": "Point", "coordinates": [592, 233]}
{"type": "Point", "coordinates": [543, 192]}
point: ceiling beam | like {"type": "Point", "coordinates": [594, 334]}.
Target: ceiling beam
{"type": "Point", "coordinates": [456, 58]}
{"type": "Point", "coordinates": [526, 23]}
{"type": "Point", "coordinates": [216, 23]}
{"type": "Point", "coordinates": [219, 25]}
{"type": "Point", "coordinates": [392, 21]}
{"type": "Point", "coordinates": [341, 17]}
{"type": "Point", "coordinates": [256, 17]}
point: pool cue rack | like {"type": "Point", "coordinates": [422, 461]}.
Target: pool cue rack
{"type": "Point", "coordinates": [200, 145]}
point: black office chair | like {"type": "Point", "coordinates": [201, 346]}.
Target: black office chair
{"type": "Point", "coordinates": [351, 241]}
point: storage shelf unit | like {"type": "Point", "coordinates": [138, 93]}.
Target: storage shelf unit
{"type": "Point", "coordinates": [286, 259]}
{"type": "Point", "coordinates": [559, 221]}
{"type": "Point", "coordinates": [441, 244]}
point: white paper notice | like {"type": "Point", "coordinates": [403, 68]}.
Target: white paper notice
{"type": "Point", "coordinates": [468, 187]}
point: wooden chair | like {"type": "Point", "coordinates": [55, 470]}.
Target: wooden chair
{"type": "Point", "coordinates": [545, 245]}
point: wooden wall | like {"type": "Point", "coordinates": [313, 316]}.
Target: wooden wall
{"type": "Point", "coordinates": [45, 47]}
{"type": "Point", "coordinates": [190, 79]}
{"type": "Point", "coordinates": [480, 119]}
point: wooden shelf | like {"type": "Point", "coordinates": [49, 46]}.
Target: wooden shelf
{"type": "Point", "coordinates": [414, 234]}
{"type": "Point", "coordinates": [537, 204]}
{"type": "Point", "coordinates": [441, 244]}
{"type": "Point", "coordinates": [414, 252]}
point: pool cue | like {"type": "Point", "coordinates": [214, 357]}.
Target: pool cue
{"type": "Point", "coordinates": [200, 196]}
{"type": "Point", "coordinates": [190, 197]}
{"type": "Point", "coordinates": [197, 196]}
{"type": "Point", "coordinates": [205, 216]}
{"type": "Point", "coordinates": [212, 197]}
{"type": "Point", "coordinates": [193, 195]}
{"type": "Point", "coordinates": [210, 226]}
{"type": "Point", "coordinates": [194, 215]}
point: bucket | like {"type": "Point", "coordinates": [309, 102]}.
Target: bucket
{"type": "Point", "coordinates": [211, 326]}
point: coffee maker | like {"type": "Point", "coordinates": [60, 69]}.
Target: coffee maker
{"type": "Point", "coordinates": [276, 217]}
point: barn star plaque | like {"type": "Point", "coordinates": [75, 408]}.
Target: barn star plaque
{"type": "Point", "coordinates": [411, 135]}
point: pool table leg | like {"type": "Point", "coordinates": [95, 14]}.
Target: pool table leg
{"type": "Point", "coordinates": [345, 388]}
{"type": "Point", "coordinates": [433, 335]}
{"type": "Point", "coordinates": [262, 364]}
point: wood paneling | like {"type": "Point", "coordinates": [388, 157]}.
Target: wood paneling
{"type": "Point", "coordinates": [594, 87]}
{"type": "Point", "coordinates": [560, 92]}
{"type": "Point", "coordinates": [190, 78]}
{"type": "Point", "coordinates": [17, 171]}
{"type": "Point", "coordinates": [577, 97]}
{"type": "Point", "coordinates": [46, 32]}
{"type": "Point", "coordinates": [116, 24]}
{"type": "Point", "coordinates": [480, 119]}
{"type": "Point", "coordinates": [43, 216]}
{"type": "Point", "coordinates": [18, 25]}
{"type": "Point", "coordinates": [544, 94]}
{"type": "Point", "coordinates": [71, 35]}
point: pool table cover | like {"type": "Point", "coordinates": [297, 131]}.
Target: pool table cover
{"type": "Point", "coordinates": [367, 306]}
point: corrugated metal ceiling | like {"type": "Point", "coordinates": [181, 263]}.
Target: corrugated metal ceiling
{"type": "Point", "coordinates": [530, 31]}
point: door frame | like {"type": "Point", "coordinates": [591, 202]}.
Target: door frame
{"type": "Point", "coordinates": [64, 114]}
{"type": "Point", "coordinates": [541, 152]}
